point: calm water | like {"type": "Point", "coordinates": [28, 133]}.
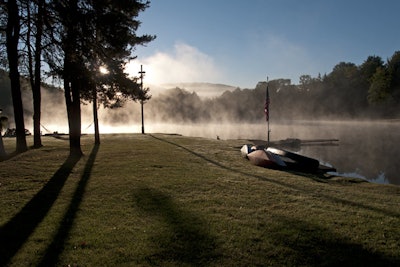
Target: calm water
{"type": "Point", "coordinates": [368, 150]}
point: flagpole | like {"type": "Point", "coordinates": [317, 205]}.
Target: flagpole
{"type": "Point", "coordinates": [267, 99]}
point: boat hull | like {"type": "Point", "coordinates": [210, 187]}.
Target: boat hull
{"type": "Point", "coordinates": [275, 158]}
{"type": "Point", "coordinates": [245, 150]}
{"type": "Point", "coordinates": [264, 158]}
{"type": "Point", "coordinates": [295, 161]}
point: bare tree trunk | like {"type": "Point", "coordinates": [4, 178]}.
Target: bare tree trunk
{"type": "Point", "coordinates": [72, 85]}
{"type": "Point", "coordinates": [95, 118]}
{"type": "Point", "coordinates": [35, 71]}
{"type": "Point", "coordinates": [12, 35]}
{"type": "Point", "coordinates": [36, 90]}
{"type": "Point", "coordinates": [72, 100]}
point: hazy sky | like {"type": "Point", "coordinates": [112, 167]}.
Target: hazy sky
{"type": "Point", "coordinates": [241, 42]}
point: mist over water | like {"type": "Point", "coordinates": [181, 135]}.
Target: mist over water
{"type": "Point", "coordinates": [367, 149]}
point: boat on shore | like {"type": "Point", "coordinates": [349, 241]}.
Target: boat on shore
{"type": "Point", "coordinates": [277, 158]}
{"type": "Point", "coordinates": [265, 158]}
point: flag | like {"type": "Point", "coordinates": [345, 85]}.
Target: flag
{"type": "Point", "coordinates": [266, 106]}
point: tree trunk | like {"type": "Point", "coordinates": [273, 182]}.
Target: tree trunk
{"type": "Point", "coordinates": [95, 118]}
{"type": "Point", "coordinates": [34, 71]}
{"type": "Point", "coordinates": [37, 99]}
{"type": "Point", "coordinates": [72, 100]}
{"type": "Point", "coordinates": [36, 90]}
{"type": "Point", "coordinates": [12, 36]}
{"type": "Point", "coordinates": [72, 84]}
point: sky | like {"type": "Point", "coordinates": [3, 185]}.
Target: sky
{"type": "Point", "coordinates": [242, 42]}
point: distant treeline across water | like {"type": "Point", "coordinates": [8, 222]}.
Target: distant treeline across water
{"type": "Point", "coordinates": [370, 90]}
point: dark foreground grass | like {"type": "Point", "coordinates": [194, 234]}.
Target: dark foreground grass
{"type": "Point", "coordinates": [168, 200]}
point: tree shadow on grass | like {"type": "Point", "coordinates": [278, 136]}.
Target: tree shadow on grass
{"type": "Point", "coordinates": [57, 245]}
{"type": "Point", "coordinates": [15, 232]}
{"type": "Point", "coordinates": [308, 244]}
{"type": "Point", "coordinates": [313, 245]}
{"type": "Point", "coordinates": [185, 239]}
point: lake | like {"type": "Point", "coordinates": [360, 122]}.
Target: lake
{"type": "Point", "coordinates": [368, 150]}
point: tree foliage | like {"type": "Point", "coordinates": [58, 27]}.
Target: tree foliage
{"type": "Point", "coordinates": [92, 34]}
{"type": "Point", "coordinates": [379, 91]}
{"type": "Point", "coordinates": [74, 38]}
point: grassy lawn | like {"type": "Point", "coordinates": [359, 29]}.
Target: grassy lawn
{"type": "Point", "coordinates": [169, 200]}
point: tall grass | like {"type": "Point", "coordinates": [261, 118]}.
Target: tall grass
{"type": "Point", "coordinates": [169, 200]}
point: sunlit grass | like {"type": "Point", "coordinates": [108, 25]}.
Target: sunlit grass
{"type": "Point", "coordinates": [168, 200]}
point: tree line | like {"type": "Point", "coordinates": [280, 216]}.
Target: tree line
{"type": "Point", "coordinates": [348, 91]}
{"type": "Point", "coordinates": [74, 39]}
{"type": "Point", "coordinates": [370, 90]}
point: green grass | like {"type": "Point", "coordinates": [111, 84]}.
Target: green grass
{"type": "Point", "coordinates": [169, 200]}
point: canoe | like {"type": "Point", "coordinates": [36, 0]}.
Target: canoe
{"type": "Point", "coordinates": [294, 160]}
{"type": "Point", "coordinates": [264, 158]}
{"type": "Point", "coordinates": [245, 150]}
{"type": "Point", "coordinates": [282, 159]}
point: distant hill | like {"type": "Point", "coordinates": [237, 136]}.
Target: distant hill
{"type": "Point", "coordinates": [208, 90]}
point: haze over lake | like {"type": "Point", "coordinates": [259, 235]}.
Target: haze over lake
{"type": "Point", "coordinates": [366, 149]}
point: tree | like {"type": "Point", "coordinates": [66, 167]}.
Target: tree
{"type": "Point", "coordinates": [344, 90]}
{"type": "Point", "coordinates": [91, 34]}
{"type": "Point", "coordinates": [378, 92]}
{"type": "Point", "coordinates": [12, 42]}
{"type": "Point", "coordinates": [385, 85]}
{"type": "Point", "coordinates": [369, 67]}
{"type": "Point", "coordinates": [394, 72]}
{"type": "Point", "coordinates": [305, 82]}
{"type": "Point", "coordinates": [112, 89]}
{"type": "Point", "coordinates": [34, 24]}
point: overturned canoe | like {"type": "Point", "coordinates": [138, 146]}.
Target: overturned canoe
{"type": "Point", "coordinates": [264, 158]}
{"type": "Point", "coordinates": [282, 159]}
{"type": "Point", "coordinates": [294, 160]}
{"type": "Point", "coordinates": [245, 150]}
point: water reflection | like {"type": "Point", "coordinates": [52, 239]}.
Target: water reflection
{"type": "Point", "coordinates": [366, 150]}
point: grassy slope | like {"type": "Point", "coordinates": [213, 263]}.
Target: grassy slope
{"type": "Point", "coordinates": [167, 200]}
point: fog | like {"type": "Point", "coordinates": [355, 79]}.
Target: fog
{"type": "Point", "coordinates": [184, 64]}
{"type": "Point", "coordinates": [366, 149]}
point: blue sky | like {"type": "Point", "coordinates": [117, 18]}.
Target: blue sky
{"type": "Point", "coordinates": [240, 43]}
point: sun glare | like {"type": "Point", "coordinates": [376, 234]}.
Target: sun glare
{"type": "Point", "coordinates": [103, 70]}
{"type": "Point", "coordinates": [133, 69]}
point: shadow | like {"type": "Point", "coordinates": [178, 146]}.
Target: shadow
{"type": "Point", "coordinates": [315, 177]}
{"type": "Point", "coordinates": [308, 244]}
{"type": "Point", "coordinates": [187, 242]}
{"type": "Point", "coordinates": [9, 156]}
{"type": "Point", "coordinates": [57, 245]}
{"type": "Point", "coordinates": [15, 232]}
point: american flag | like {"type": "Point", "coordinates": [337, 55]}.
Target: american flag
{"type": "Point", "coordinates": [266, 106]}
